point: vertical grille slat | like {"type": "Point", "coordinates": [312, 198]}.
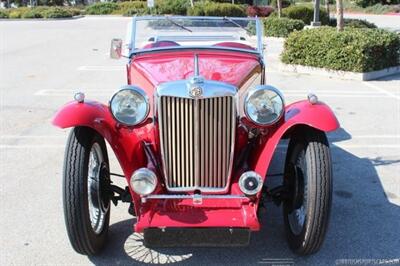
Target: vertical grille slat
{"type": "Point", "coordinates": [197, 138]}
{"type": "Point", "coordinates": [223, 141]}
{"type": "Point", "coordinates": [206, 176]}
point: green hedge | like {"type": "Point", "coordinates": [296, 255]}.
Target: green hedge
{"type": "Point", "coordinates": [131, 8]}
{"type": "Point", "coordinates": [366, 3]}
{"type": "Point", "coordinates": [354, 49]}
{"type": "Point", "coordinates": [40, 12]}
{"type": "Point", "coordinates": [3, 13]}
{"type": "Point", "coordinates": [353, 23]}
{"type": "Point", "coordinates": [101, 8]}
{"type": "Point", "coordinates": [217, 9]}
{"type": "Point", "coordinates": [305, 13]}
{"type": "Point", "coordinates": [281, 27]}
{"type": "Point", "coordinates": [173, 7]}
{"type": "Point", "coordinates": [57, 12]}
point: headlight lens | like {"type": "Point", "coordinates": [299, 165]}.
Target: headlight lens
{"type": "Point", "coordinates": [130, 105]}
{"type": "Point", "coordinates": [143, 181]}
{"type": "Point", "coordinates": [264, 105]}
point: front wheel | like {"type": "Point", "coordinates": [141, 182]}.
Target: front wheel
{"type": "Point", "coordinates": [308, 175]}
{"type": "Point", "coordinates": [86, 191]}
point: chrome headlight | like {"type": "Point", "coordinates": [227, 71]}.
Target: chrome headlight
{"type": "Point", "coordinates": [264, 105]}
{"type": "Point", "coordinates": [130, 105]}
{"type": "Point", "coordinates": [143, 181]}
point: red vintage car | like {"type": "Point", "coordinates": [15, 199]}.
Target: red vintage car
{"type": "Point", "coordinates": [194, 131]}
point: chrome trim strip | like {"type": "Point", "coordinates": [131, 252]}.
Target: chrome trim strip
{"type": "Point", "coordinates": [196, 65]}
{"type": "Point", "coordinates": [133, 36]}
{"type": "Point", "coordinates": [260, 34]}
{"type": "Point", "coordinates": [194, 196]}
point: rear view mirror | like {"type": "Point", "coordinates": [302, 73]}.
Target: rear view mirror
{"type": "Point", "coordinates": [116, 48]}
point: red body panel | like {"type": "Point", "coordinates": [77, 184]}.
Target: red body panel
{"type": "Point", "coordinates": [318, 116]}
{"type": "Point", "coordinates": [211, 213]}
{"type": "Point", "coordinates": [126, 143]}
{"type": "Point", "coordinates": [149, 70]}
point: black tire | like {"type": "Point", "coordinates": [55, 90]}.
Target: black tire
{"type": "Point", "coordinates": [308, 174]}
{"type": "Point", "coordinates": [81, 233]}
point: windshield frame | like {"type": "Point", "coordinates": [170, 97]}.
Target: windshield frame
{"type": "Point", "coordinates": [132, 33]}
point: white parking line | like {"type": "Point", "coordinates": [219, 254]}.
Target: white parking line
{"type": "Point", "coordinates": [337, 145]}
{"type": "Point", "coordinates": [32, 146]}
{"type": "Point", "coordinates": [362, 92]}
{"type": "Point", "coordinates": [372, 86]}
{"type": "Point", "coordinates": [321, 95]}
{"type": "Point", "coordinates": [53, 92]}
{"type": "Point", "coordinates": [30, 137]}
{"type": "Point", "coordinates": [100, 68]}
{"type": "Point", "coordinates": [371, 137]}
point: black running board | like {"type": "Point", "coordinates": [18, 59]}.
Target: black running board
{"type": "Point", "coordinates": [196, 237]}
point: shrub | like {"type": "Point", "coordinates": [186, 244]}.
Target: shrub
{"type": "Point", "coordinates": [354, 49]}
{"type": "Point", "coordinates": [33, 13]}
{"type": "Point", "coordinates": [382, 9]}
{"type": "Point", "coordinates": [173, 7]}
{"type": "Point", "coordinates": [3, 13]}
{"type": "Point", "coordinates": [281, 27]}
{"type": "Point", "coordinates": [74, 11]}
{"type": "Point", "coordinates": [43, 12]}
{"type": "Point", "coordinates": [197, 10]}
{"type": "Point", "coordinates": [353, 23]}
{"type": "Point", "coordinates": [259, 11]}
{"type": "Point", "coordinates": [18, 12]}
{"type": "Point", "coordinates": [365, 3]}
{"type": "Point", "coordinates": [305, 13]}
{"type": "Point", "coordinates": [56, 12]}
{"type": "Point", "coordinates": [131, 8]}
{"type": "Point", "coordinates": [217, 10]}
{"type": "Point", "coordinates": [101, 8]}
{"type": "Point", "coordinates": [241, 2]}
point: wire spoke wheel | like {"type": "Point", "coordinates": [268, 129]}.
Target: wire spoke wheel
{"type": "Point", "coordinates": [97, 205]}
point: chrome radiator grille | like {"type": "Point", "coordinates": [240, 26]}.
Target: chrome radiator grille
{"type": "Point", "coordinates": [197, 138]}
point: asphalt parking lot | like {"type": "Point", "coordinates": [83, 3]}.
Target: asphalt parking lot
{"type": "Point", "coordinates": [43, 63]}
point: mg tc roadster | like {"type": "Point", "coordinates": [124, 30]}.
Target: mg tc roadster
{"type": "Point", "coordinates": [194, 130]}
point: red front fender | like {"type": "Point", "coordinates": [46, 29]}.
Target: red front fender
{"type": "Point", "coordinates": [318, 116]}
{"type": "Point", "coordinates": [126, 145]}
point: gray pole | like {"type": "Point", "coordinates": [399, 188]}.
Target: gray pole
{"type": "Point", "coordinates": [316, 21]}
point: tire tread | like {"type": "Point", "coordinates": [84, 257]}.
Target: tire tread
{"type": "Point", "coordinates": [75, 214]}
{"type": "Point", "coordinates": [320, 187]}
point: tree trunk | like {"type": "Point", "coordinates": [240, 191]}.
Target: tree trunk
{"type": "Point", "coordinates": [316, 20]}
{"type": "Point", "coordinates": [192, 3]}
{"type": "Point", "coordinates": [279, 7]}
{"type": "Point", "coordinates": [327, 6]}
{"type": "Point", "coordinates": [339, 15]}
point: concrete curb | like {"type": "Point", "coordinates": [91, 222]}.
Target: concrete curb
{"type": "Point", "coordinates": [339, 74]}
